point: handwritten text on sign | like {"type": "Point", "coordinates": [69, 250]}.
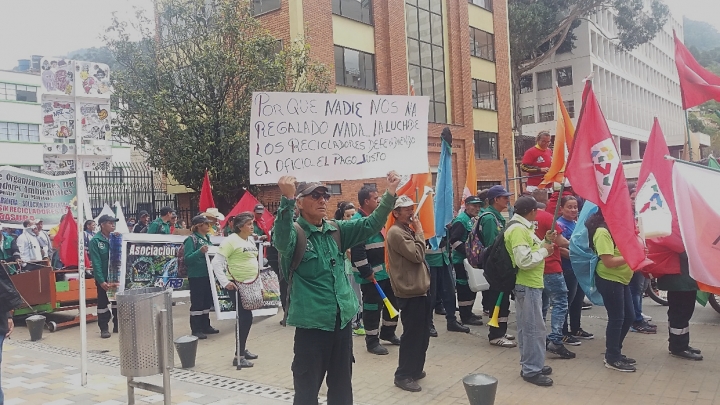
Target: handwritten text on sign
{"type": "Point", "coordinates": [336, 137]}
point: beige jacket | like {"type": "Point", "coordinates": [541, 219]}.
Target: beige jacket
{"type": "Point", "coordinates": [409, 274]}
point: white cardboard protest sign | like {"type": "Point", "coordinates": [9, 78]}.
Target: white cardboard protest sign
{"type": "Point", "coordinates": [320, 137]}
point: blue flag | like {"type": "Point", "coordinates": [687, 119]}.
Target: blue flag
{"type": "Point", "coordinates": [583, 259]}
{"type": "Point", "coordinates": [443, 195]}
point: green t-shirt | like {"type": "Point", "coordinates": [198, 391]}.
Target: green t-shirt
{"type": "Point", "coordinates": [242, 257]}
{"type": "Point", "coordinates": [604, 245]}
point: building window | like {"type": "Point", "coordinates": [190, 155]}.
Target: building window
{"type": "Point", "coordinates": [10, 131]}
{"type": "Point", "coordinates": [526, 84]}
{"type": "Point", "coordinates": [485, 184]}
{"type": "Point", "coordinates": [528, 115]}
{"type": "Point", "coordinates": [486, 4]}
{"type": "Point", "coordinates": [564, 76]}
{"type": "Point", "coordinates": [18, 92]}
{"type": "Point", "coordinates": [334, 188]}
{"type": "Point", "coordinates": [482, 44]}
{"type": "Point", "coordinates": [486, 145]}
{"type": "Point", "coordinates": [372, 185]}
{"type": "Point", "coordinates": [263, 6]}
{"type": "Point", "coordinates": [546, 112]}
{"type": "Point", "coordinates": [484, 95]}
{"type": "Point", "coordinates": [358, 10]}
{"type": "Point", "coordinates": [544, 80]}
{"type": "Point", "coordinates": [426, 56]}
{"type": "Point", "coordinates": [570, 107]}
{"type": "Point", "coordinates": [354, 68]}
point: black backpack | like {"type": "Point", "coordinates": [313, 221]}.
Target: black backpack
{"type": "Point", "coordinates": [499, 270]}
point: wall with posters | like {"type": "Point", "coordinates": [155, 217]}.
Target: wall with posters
{"type": "Point", "coordinates": [28, 195]}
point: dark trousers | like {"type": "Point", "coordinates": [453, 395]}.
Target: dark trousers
{"type": "Point", "coordinates": [441, 289]}
{"type": "Point", "coordinates": [105, 308]}
{"type": "Point", "coordinates": [283, 288]}
{"type": "Point", "coordinates": [465, 296]}
{"type": "Point", "coordinates": [373, 307]}
{"type": "Point", "coordinates": [244, 319]}
{"type": "Point", "coordinates": [681, 305]}
{"type": "Point", "coordinates": [501, 330]}
{"type": "Point", "coordinates": [416, 336]}
{"type": "Point", "coordinates": [319, 352]}
{"type": "Point", "coordinates": [621, 314]}
{"type": "Point", "coordinates": [201, 303]}
{"type": "Point", "coordinates": [576, 296]}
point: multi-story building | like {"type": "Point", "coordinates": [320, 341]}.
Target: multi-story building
{"type": "Point", "coordinates": [454, 51]}
{"type": "Point", "coordinates": [20, 121]}
{"type": "Point", "coordinates": [632, 87]}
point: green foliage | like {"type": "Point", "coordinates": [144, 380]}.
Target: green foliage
{"type": "Point", "coordinates": [186, 93]}
{"type": "Point", "coordinates": [102, 55]}
{"type": "Point", "coordinates": [700, 35]}
{"type": "Point", "coordinates": [696, 125]}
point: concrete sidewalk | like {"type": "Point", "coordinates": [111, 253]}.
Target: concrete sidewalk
{"type": "Point", "coordinates": [660, 379]}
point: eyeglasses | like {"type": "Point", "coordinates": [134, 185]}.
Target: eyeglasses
{"type": "Point", "coordinates": [316, 196]}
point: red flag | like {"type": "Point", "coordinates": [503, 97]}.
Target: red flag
{"type": "Point", "coordinates": [248, 203]}
{"type": "Point", "coordinates": [68, 234]}
{"type": "Point", "coordinates": [697, 84]}
{"type": "Point", "coordinates": [206, 197]}
{"type": "Point", "coordinates": [594, 156]}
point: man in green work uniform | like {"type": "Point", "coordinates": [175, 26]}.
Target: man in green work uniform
{"type": "Point", "coordinates": [99, 257]}
{"type": "Point", "coordinates": [441, 285]}
{"type": "Point", "coordinates": [9, 251]}
{"type": "Point", "coordinates": [201, 301]}
{"type": "Point", "coordinates": [459, 231]}
{"type": "Point", "coordinates": [492, 226]}
{"type": "Point", "coordinates": [322, 302]}
{"type": "Point", "coordinates": [161, 225]}
{"type": "Point", "coordinates": [368, 260]}
{"type": "Point", "coordinates": [259, 223]}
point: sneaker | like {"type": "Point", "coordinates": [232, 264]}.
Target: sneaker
{"type": "Point", "coordinates": [244, 363]}
{"type": "Point", "coordinates": [581, 334]}
{"type": "Point", "coordinates": [408, 384]}
{"type": "Point", "coordinates": [620, 365]}
{"type": "Point", "coordinates": [502, 342]}
{"type": "Point", "coordinates": [646, 317]}
{"type": "Point", "coordinates": [570, 341]}
{"type": "Point", "coordinates": [687, 355]}
{"type": "Point", "coordinates": [250, 356]}
{"type": "Point", "coordinates": [694, 350]}
{"type": "Point", "coordinates": [539, 380]}
{"type": "Point", "coordinates": [360, 331]}
{"type": "Point", "coordinates": [509, 336]}
{"type": "Point", "coordinates": [105, 334]}
{"type": "Point", "coordinates": [628, 360]}
{"type": "Point", "coordinates": [433, 332]}
{"type": "Point", "coordinates": [560, 350]}
{"type": "Point", "coordinates": [587, 304]}
{"type": "Point", "coordinates": [643, 327]}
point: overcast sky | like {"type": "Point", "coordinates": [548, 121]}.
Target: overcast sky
{"type": "Point", "coordinates": [56, 27]}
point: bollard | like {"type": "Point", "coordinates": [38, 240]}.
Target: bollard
{"type": "Point", "coordinates": [186, 347]}
{"type": "Point", "coordinates": [480, 389]}
{"type": "Point", "coordinates": [35, 325]}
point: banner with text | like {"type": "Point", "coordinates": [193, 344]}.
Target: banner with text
{"type": "Point", "coordinates": [336, 136]}
{"type": "Point", "coordinates": [28, 195]}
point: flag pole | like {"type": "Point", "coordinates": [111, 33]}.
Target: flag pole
{"type": "Point", "coordinates": [689, 142]}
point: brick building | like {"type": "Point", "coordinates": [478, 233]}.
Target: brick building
{"type": "Point", "coordinates": [454, 51]}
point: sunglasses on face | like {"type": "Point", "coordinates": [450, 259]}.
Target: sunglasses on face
{"type": "Point", "coordinates": [317, 195]}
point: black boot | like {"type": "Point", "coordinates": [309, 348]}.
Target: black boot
{"type": "Point", "coordinates": [455, 326]}
{"type": "Point", "coordinates": [207, 329]}
{"type": "Point", "coordinates": [196, 326]}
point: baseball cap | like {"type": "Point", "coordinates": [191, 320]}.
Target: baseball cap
{"type": "Point", "coordinates": [200, 219]}
{"type": "Point", "coordinates": [473, 199]}
{"type": "Point", "coordinates": [106, 218]}
{"type": "Point", "coordinates": [304, 188]}
{"type": "Point", "coordinates": [497, 191]}
{"type": "Point", "coordinates": [403, 201]}
{"type": "Point", "coordinates": [259, 208]}
{"type": "Point", "coordinates": [524, 205]}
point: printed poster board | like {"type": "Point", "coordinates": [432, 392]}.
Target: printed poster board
{"type": "Point", "coordinates": [320, 137]}
{"type": "Point", "coordinates": [58, 76]}
{"type": "Point", "coordinates": [92, 79]}
{"type": "Point", "coordinates": [28, 195]}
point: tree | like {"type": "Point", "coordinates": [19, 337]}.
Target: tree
{"type": "Point", "coordinates": [186, 93]}
{"type": "Point", "coordinates": [102, 55]}
{"type": "Point", "coordinates": [540, 28]}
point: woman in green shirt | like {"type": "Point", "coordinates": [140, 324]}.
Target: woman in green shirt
{"type": "Point", "coordinates": [612, 279]}
{"type": "Point", "coordinates": [238, 255]}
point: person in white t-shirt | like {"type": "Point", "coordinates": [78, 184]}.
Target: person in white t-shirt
{"type": "Point", "coordinates": [239, 255]}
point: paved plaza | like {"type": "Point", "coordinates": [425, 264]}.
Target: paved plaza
{"type": "Point", "coordinates": [47, 372]}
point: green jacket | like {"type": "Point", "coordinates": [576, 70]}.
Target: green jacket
{"type": "Point", "coordinates": [257, 230]}
{"type": "Point", "coordinates": [320, 289]}
{"type": "Point", "coordinates": [369, 257]}
{"type": "Point", "coordinates": [458, 254]}
{"type": "Point", "coordinates": [194, 259]}
{"type": "Point", "coordinates": [491, 226]}
{"type": "Point", "coordinates": [158, 226]}
{"type": "Point", "coordinates": [437, 258]}
{"type": "Point", "coordinates": [6, 250]}
{"type": "Point", "coordinates": [99, 257]}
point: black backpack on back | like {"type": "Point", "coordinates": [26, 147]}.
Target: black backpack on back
{"type": "Point", "coordinates": [499, 270]}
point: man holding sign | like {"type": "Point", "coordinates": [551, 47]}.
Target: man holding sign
{"type": "Point", "coordinates": [321, 301]}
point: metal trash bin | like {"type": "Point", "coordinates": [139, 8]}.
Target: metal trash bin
{"type": "Point", "coordinates": [140, 330]}
{"type": "Point", "coordinates": [480, 388]}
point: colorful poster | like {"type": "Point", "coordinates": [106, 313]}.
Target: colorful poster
{"type": "Point", "coordinates": [58, 163]}
{"type": "Point", "coordinates": [94, 121]}
{"type": "Point", "coordinates": [92, 79]}
{"type": "Point", "coordinates": [28, 195]}
{"type": "Point", "coordinates": [151, 261]}
{"type": "Point", "coordinates": [58, 119]}
{"type": "Point", "coordinates": [96, 163]}
{"type": "Point", "coordinates": [58, 76]}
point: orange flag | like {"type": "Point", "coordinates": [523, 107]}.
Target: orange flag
{"type": "Point", "coordinates": [419, 187]}
{"type": "Point", "coordinates": [564, 133]}
{"type": "Point", "coordinates": [471, 177]}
